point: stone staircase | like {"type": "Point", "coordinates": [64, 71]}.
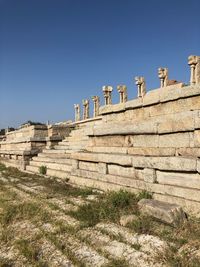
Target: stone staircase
{"type": "Point", "coordinates": [58, 159]}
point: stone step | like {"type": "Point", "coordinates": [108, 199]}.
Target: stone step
{"type": "Point", "coordinates": [55, 151]}
{"type": "Point", "coordinates": [52, 160]}
{"type": "Point", "coordinates": [50, 172]}
{"type": "Point", "coordinates": [54, 166]}
{"type": "Point", "coordinates": [68, 147]}
{"type": "Point", "coordinates": [58, 155]}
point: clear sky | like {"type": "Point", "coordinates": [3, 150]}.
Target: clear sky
{"type": "Point", "coordinates": [54, 53]}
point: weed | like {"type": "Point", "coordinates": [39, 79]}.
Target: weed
{"type": "Point", "coordinates": [43, 170]}
{"type": "Point", "coordinates": [6, 262]}
{"type": "Point", "coordinates": [144, 194]}
{"type": "Point", "coordinates": [142, 225]}
{"type": "Point", "coordinates": [118, 263]}
{"type": "Point", "coordinates": [108, 207]}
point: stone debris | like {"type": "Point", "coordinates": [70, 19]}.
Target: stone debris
{"type": "Point", "coordinates": [168, 213]}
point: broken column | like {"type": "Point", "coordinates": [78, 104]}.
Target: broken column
{"type": "Point", "coordinates": [122, 89]}
{"type": "Point", "coordinates": [163, 76]}
{"type": "Point", "coordinates": [107, 90]}
{"type": "Point", "coordinates": [86, 113]}
{"type": "Point", "coordinates": [194, 63]}
{"type": "Point", "coordinates": [96, 101]}
{"type": "Point", "coordinates": [77, 112]}
{"type": "Point", "coordinates": [140, 82]}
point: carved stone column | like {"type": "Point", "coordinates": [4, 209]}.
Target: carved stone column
{"type": "Point", "coordinates": [163, 75]}
{"type": "Point", "coordinates": [77, 112]}
{"type": "Point", "coordinates": [140, 82]}
{"type": "Point", "coordinates": [194, 63]}
{"type": "Point", "coordinates": [122, 89]}
{"type": "Point", "coordinates": [96, 101]}
{"type": "Point", "coordinates": [86, 112]}
{"type": "Point", "coordinates": [107, 90]}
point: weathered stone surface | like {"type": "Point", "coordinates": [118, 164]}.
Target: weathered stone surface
{"type": "Point", "coordinates": [151, 151]}
{"type": "Point", "coordinates": [105, 149]}
{"type": "Point", "coordinates": [152, 97]}
{"type": "Point", "coordinates": [126, 219]}
{"type": "Point", "coordinates": [165, 163]}
{"type": "Point", "coordinates": [188, 151]}
{"type": "Point", "coordinates": [198, 165]}
{"type": "Point", "coordinates": [168, 213]}
{"type": "Point", "coordinates": [102, 168]}
{"type": "Point", "coordinates": [197, 138]}
{"type": "Point", "coordinates": [191, 180]}
{"type": "Point", "coordinates": [175, 140]}
{"type": "Point", "coordinates": [100, 157]}
{"type": "Point", "coordinates": [122, 171]}
{"type": "Point", "coordinates": [149, 175]}
{"type": "Point", "coordinates": [145, 140]}
{"type": "Point", "coordinates": [90, 166]}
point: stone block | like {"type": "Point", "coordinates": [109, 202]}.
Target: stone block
{"type": "Point", "coordinates": [188, 151]}
{"type": "Point", "coordinates": [122, 171]}
{"type": "Point", "coordinates": [175, 140]}
{"type": "Point", "coordinates": [165, 163]}
{"type": "Point", "coordinates": [197, 138]}
{"type": "Point", "coordinates": [151, 151]}
{"type": "Point", "coordinates": [145, 140]}
{"type": "Point", "coordinates": [102, 168]}
{"type": "Point", "coordinates": [198, 165]}
{"type": "Point", "coordinates": [75, 164]}
{"type": "Point", "coordinates": [168, 213]}
{"type": "Point", "coordinates": [149, 175]}
{"type": "Point", "coordinates": [152, 97]}
{"type": "Point", "coordinates": [109, 141]}
{"type": "Point", "coordinates": [105, 149]}
{"type": "Point", "coordinates": [169, 94]}
{"type": "Point", "coordinates": [90, 166]}
{"type": "Point", "coordinates": [132, 104]}
{"type": "Point", "coordinates": [180, 122]}
{"type": "Point", "coordinates": [191, 180]}
{"type": "Point", "coordinates": [123, 160]}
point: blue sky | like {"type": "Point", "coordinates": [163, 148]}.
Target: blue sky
{"type": "Point", "coordinates": [54, 53]}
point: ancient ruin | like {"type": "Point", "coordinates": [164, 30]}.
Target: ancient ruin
{"type": "Point", "coordinates": [148, 143]}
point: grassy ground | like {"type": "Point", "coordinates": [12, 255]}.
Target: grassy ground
{"type": "Point", "coordinates": [42, 221]}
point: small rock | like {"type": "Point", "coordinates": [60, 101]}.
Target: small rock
{"type": "Point", "coordinates": [92, 197]}
{"type": "Point", "coordinates": [168, 213]}
{"type": "Point", "coordinates": [125, 219]}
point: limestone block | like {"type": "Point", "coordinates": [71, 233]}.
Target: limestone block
{"type": "Point", "coordinates": [125, 128]}
{"type": "Point", "coordinates": [111, 108]}
{"type": "Point", "coordinates": [90, 166]}
{"type": "Point", "coordinates": [152, 97]}
{"type": "Point", "coordinates": [105, 149]}
{"type": "Point", "coordinates": [180, 122]}
{"type": "Point", "coordinates": [169, 94]}
{"type": "Point", "coordinates": [190, 91]}
{"type": "Point", "coordinates": [126, 219]}
{"type": "Point", "coordinates": [151, 151]}
{"type": "Point", "coordinates": [135, 115]}
{"type": "Point", "coordinates": [123, 160]}
{"type": "Point", "coordinates": [146, 140]}
{"type": "Point", "coordinates": [165, 163]}
{"type": "Point", "coordinates": [197, 138]}
{"type": "Point", "coordinates": [175, 140]}
{"type": "Point", "coordinates": [188, 151]}
{"type": "Point", "coordinates": [191, 180]}
{"type": "Point", "coordinates": [102, 168]}
{"type": "Point", "coordinates": [149, 175]}
{"type": "Point", "coordinates": [198, 165]}
{"type": "Point", "coordinates": [168, 213]}
{"type": "Point", "coordinates": [191, 207]}
{"type": "Point", "coordinates": [109, 141]}
{"type": "Point", "coordinates": [135, 103]}
{"type": "Point", "coordinates": [75, 164]}
{"type": "Point", "coordinates": [122, 171]}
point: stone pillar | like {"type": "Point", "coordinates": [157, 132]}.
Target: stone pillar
{"type": "Point", "coordinates": [86, 113]}
{"type": "Point", "coordinates": [163, 76]}
{"type": "Point", "coordinates": [77, 112]}
{"type": "Point", "coordinates": [107, 91]}
{"type": "Point", "coordinates": [140, 82]}
{"type": "Point", "coordinates": [122, 89]}
{"type": "Point", "coordinates": [194, 63]}
{"type": "Point", "coordinates": [96, 101]}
